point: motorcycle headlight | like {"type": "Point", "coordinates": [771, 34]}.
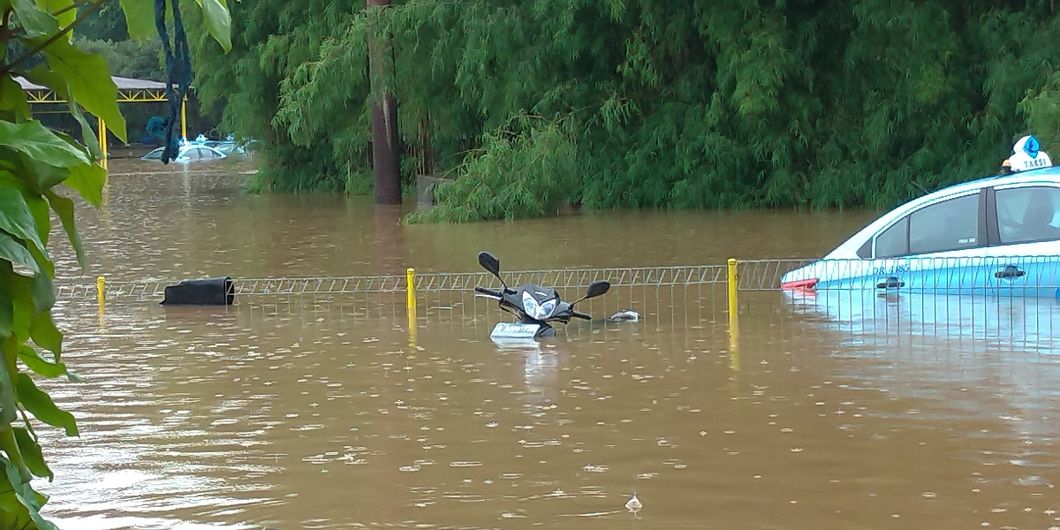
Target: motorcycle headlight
{"type": "Point", "coordinates": [535, 310]}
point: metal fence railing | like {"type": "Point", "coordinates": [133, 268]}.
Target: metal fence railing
{"type": "Point", "coordinates": [1027, 275]}
{"type": "Point", "coordinates": [765, 274]}
{"type": "Point", "coordinates": [1015, 297]}
{"type": "Point", "coordinates": [432, 282]}
{"type": "Point", "coordinates": [964, 274]}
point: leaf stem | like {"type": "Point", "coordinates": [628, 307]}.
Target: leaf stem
{"type": "Point", "coordinates": [5, 33]}
{"type": "Point", "coordinates": [29, 426]}
{"type": "Point", "coordinates": [73, 5]}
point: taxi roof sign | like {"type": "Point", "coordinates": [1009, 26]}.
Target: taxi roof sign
{"type": "Point", "coordinates": [1027, 154]}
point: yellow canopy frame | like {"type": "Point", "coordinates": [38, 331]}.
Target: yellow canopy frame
{"type": "Point", "coordinates": [129, 91]}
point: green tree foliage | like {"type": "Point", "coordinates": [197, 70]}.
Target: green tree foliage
{"type": "Point", "coordinates": [684, 103]}
{"type": "Point", "coordinates": [272, 40]}
{"type": "Point", "coordinates": [521, 170]}
{"type": "Point", "coordinates": [38, 168]}
{"type": "Point", "coordinates": [128, 58]}
{"type": "Point", "coordinates": [106, 24]}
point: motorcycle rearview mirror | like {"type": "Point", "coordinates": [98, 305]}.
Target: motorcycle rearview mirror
{"type": "Point", "coordinates": [492, 265]}
{"type": "Point", "coordinates": [595, 289]}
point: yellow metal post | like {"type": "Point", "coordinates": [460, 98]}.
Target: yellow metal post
{"type": "Point", "coordinates": [734, 358]}
{"type": "Point", "coordinates": [103, 142]}
{"type": "Point", "coordinates": [410, 303]}
{"type": "Point", "coordinates": [734, 322]}
{"type": "Point", "coordinates": [101, 297]}
{"type": "Point", "coordinates": [734, 305]}
{"type": "Point", "coordinates": [184, 118]}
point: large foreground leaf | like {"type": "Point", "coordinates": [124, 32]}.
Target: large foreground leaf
{"type": "Point", "coordinates": [90, 83]}
{"type": "Point", "coordinates": [39, 365]}
{"type": "Point", "coordinates": [218, 22]}
{"type": "Point", "coordinates": [62, 10]}
{"type": "Point", "coordinates": [13, 251]}
{"type": "Point", "coordinates": [17, 219]}
{"type": "Point", "coordinates": [88, 181]}
{"type": "Point", "coordinates": [64, 208]}
{"type": "Point", "coordinates": [13, 98]}
{"type": "Point", "coordinates": [140, 18]}
{"type": "Point", "coordinates": [29, 498]}
{"type": "Point", "coordinates": [38, 143]}
{"type": "Point", "coordinates": [31, 454]}
{"type": "Point", "coordinates": [42, 406]}
{"type": "Point", "coordinates": [36, 22]}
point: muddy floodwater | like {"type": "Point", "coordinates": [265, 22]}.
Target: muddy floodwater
{"type": "Point", "coordinates": [326, 412]}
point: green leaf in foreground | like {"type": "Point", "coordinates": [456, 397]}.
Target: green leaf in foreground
{"type": "Point", "coordinates": [140, 18]}
{"type": "Point", "coordinates": [42, 407]}
{"type": "Point", "coordinates": [218, 22]}
{"type": "Point", "coordinates": [90, 83]}
{"type": "Point", "coordinates": [35, 141]}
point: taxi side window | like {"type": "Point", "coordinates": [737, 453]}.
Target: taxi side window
{"type": "Point", "coordinates": [1030, 214]}
{"type": "Point", "coordinates": [945, 226]}
{"type": "Point", "coordinates": [865, 252]}
{"type": "Point", "coordinates": [948, 225]}
{"type": "Point", "coordinates": [894, 241]}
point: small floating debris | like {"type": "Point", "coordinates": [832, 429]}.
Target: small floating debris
{"type": "Point", "coordinates": [626, 315]}
{"type": "Point", "coordinates": [633, 504]}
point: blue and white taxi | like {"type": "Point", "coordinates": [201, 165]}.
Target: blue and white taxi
{"type": "Point", "coordinates": [998, 235]}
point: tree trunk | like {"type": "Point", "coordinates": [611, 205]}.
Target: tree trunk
{"type": "Point", "coordinates": [386, 146]}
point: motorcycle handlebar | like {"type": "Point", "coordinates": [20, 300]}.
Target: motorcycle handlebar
{"type": "Point", "coordinates": [486, 291]}
{"type": "Point", "coordinates": [582, 316]}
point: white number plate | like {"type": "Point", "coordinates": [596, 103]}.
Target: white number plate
{"type": "Point", "coordinates": [514, 330]}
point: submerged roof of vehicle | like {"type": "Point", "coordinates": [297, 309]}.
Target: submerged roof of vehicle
{"type": "Point", "coordinates": [848, 248]}
{"type": "Point", "coordinates": [156, 153]}
{"type": "Point", "coordinates": [1011, 178]}
{"type": "Point", "coordinates": [1022, 177]}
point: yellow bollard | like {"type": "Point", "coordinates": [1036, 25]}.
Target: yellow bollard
{"type": "Point", "coordinates": [734, 305]}
{"type": "Point", "coordinates": [184, 118]}
{"type": "Point", "coordinates": [410, 303]}
{"type": "Point", "coordinates": [103, 144]}
{"type": "Point", "coordinates": [734, 353]}
{"type": "Point", "coordinates": [734, 324]}
{"type": "Point", "coordinates": [101, 297]}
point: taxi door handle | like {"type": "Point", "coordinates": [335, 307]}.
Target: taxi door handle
{"type": "Point", "coordinates": [1010, 272]}
{"type": "Point", "coordinates": [891, 282]}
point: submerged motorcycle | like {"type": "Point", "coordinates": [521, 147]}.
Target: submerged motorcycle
{"type": "Point", "coordinates": [535, 306]}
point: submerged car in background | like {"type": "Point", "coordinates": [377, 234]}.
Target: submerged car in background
{"type": "Point", "coordinates": [188, 153]}
{"type": "Point", "coordinates": [998, 235]}
{"type": "Point", "coordinates": [228, 147]}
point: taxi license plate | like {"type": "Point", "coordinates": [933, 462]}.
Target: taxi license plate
{"type": "Point", "coordinates": [514, 330]}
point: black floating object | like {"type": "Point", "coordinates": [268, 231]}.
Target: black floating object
{"type": "Point", "coordinates": [207, 291]}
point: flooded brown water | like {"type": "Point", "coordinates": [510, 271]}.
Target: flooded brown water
{"type": "Point", "coordinates": [302, 413]}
